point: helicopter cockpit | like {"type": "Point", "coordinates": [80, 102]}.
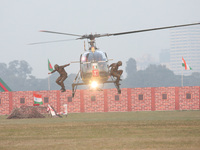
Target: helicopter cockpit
{"type": "Point", "coordinates": [94, 57]}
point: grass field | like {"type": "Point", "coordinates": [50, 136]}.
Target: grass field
{"type": "Point", "coordinates": [173, 130]}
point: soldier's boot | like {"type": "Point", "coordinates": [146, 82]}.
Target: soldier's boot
{"type": "Point", "coordinates": [63, 87]}
{"type": "Point", "coordinates": [63, 90]}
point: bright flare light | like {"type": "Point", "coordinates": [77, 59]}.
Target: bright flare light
{"type": "Point", "coordinates": [94, 84]}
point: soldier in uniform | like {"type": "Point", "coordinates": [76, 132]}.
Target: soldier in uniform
{"type": "Point", "coordinates": [115, 72]}
{"type": "Point", "coordinates": [62, 77]}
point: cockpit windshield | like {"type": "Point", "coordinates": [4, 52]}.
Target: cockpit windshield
{"type": "Point", "coordinates": [94, 57]}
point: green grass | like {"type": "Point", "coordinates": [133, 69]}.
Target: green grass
{"type": "Point", "coordinates": [173, 130]}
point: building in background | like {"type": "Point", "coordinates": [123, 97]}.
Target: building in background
{"type": "Point", "coordinates": [185, 42]}
{"type": "Point", "coordinates": [164, 58]}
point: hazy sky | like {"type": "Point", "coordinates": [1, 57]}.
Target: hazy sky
{"type": "Point", "coordinates": [20, 21]}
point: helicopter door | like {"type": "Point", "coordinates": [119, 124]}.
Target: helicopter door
{"type": "Point", "coordinates": [102, 62]}
{"type": "Point", "coordinates": [85, 64]}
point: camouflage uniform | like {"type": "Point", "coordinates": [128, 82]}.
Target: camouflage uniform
{"type": "Point", "coordinates": [115, 72]}
{"type": "Point", "coordinates": [63, 75]}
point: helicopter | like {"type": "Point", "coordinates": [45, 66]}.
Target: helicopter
{"type": "Point", "coordinates": [94, 67]}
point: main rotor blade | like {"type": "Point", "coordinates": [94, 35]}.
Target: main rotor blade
{"type": "Point", "coordinates": [60, 33]}
{"type": "Point", "coordinates": [52, 41]}
{"type": "Point", "coordinates": [145, 30]}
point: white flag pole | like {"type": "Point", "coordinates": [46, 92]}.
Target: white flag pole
{"type": "Point", "coordinates": [182, 73]}
{"type": "Point", "coordinates": [182, 78]}
{"type": "Point", "coordinates": [49, 82]}
{"type": "Point", "coordinates": [49, 87]}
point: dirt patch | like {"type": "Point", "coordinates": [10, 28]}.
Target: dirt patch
{"type": "Point", "coordinates": [25, 112]}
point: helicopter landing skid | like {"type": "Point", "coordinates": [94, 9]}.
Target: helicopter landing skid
{"type": "Point", "coordinates": [117, 85]}
{"type": "Point", "coordinates": [74, 87]}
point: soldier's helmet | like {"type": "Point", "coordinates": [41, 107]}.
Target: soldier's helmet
{"type": "Point", "coordinates": [56, 66]}
{"type": "Point", "coordinates": [119, 63]}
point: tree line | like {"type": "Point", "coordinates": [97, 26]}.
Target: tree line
{"type": "Point", "coordinates": [18, 76]}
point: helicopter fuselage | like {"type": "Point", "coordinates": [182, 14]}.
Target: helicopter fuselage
{"type": "Point", "coordinates": [94, 67]}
